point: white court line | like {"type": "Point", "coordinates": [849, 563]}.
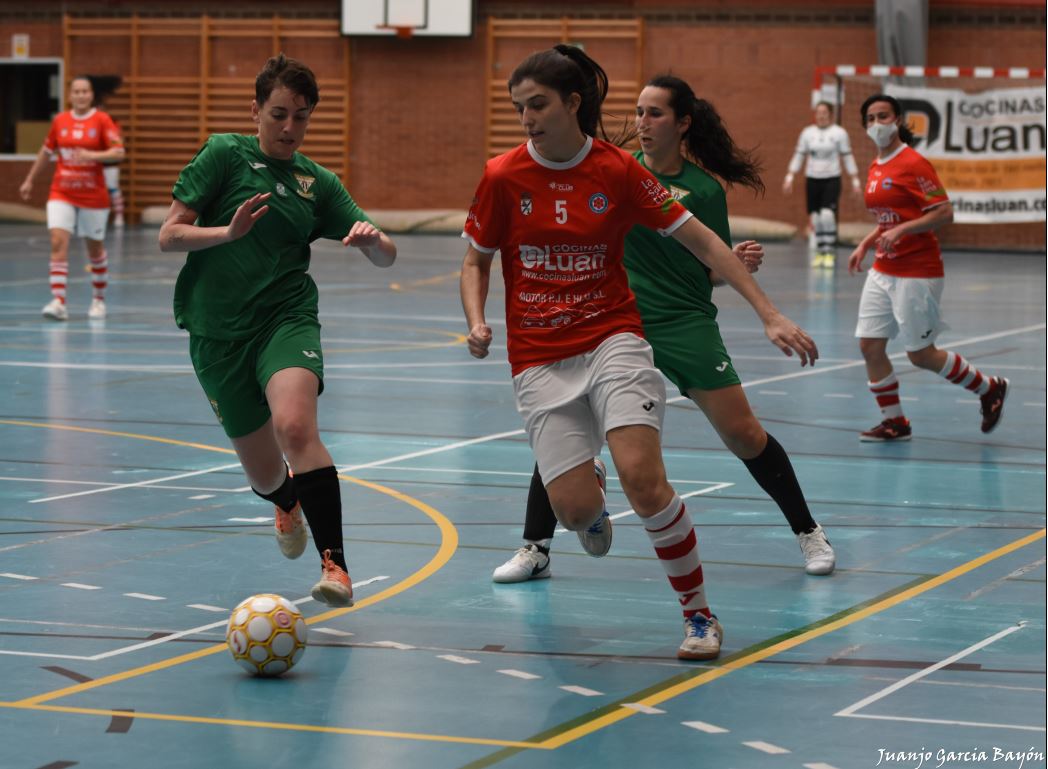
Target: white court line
{"type": "Point", "coordinates": [851, 710]}
{"type": "Point", "coordinates": [518, 674]}
{"type": "Point", "coordinates": [581, 690]}
{"type": "Point", "coordinates": [702, 726]}
{"type": "Point", "coordinates": [146, 596]}
{"type": "Point", "coordinates": [80, 586]}
{"type": "Point", "coordinates": [714, 487]}
{"type": "Point", "coordinates": [496, 436]}
{"type": "Point", "coordinates": [119, 486]}
{"type": "Point", "coordinates": [647, 709]}
{"type": "Point", "coordinates": [457, 659]}
{"type": "Point", "coordinates": [765, 747]}
{"type": "Point", "coordinates": [9, 575]}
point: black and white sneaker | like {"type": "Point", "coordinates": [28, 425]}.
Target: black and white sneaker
{"type": "Point", "coordinates": [527, 563]}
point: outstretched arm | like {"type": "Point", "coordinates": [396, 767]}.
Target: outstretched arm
{"type": "Point", "coordinates": [473, 285]}
{"type": "Point", "coordinates": [709, 249]}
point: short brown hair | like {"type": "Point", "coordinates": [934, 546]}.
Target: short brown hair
{"type": "Point", "coordinates": [290, 73]}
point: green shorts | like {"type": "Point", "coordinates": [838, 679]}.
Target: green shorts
{"type": "Point", "coordinates": [234, 374]}
{"type": "Point", "coordinates": [690, 352]}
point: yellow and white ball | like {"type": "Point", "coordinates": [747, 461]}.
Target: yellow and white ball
{"type": "Point", "coordinates": [266, 635]}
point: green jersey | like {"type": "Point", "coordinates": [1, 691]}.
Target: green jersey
{"type": "Point", "coordinates": [231, 290]}
{"type": "Point", "coordinates": [665, 277]}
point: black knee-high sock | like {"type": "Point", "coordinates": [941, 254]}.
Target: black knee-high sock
{"type": "Point", "coordinates": [773, 471]}
{"type": "Point", "coordinates": [284, 497]}
{"type": "Point", "coordinates": [321, 499]}
{"type": "Point", "coordinates": [539, 519]}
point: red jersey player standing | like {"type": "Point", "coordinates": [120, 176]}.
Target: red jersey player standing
{"type": "Point", "coordinates": [82, 140]}
{"type": "Point", "coordinates": [558, 209]}
{"type": "Point", "coordinates": [904, 287]}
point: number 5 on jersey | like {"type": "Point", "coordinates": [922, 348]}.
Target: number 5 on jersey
{"type": "Point", "coordinates": [561, 209]}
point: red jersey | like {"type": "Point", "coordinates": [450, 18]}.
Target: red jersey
{"type": "Point", "coordinates": [81, 184]}
{"type": "Point", "coordinates": [900, 189]}
{"type": "Point", "coordinates": [560, 228]}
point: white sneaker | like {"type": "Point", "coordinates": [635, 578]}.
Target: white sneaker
{"type": "Point", "coordinates": [291, 531]}
{"type": "Point", "coordinates": [97, 311]}
{"type": "Point", "coordinates": [527, 563]}
{"type": "Point", "coordinates": [702, 638]}
{"type": "Point", "coordinates": [596, 540]}
{"type": "Point", "coordinates": [56, 310]}
{"type": "Point", "coordinates": [819, 557]}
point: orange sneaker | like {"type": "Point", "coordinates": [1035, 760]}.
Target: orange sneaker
{"type": "Point", "coordinates": [334, 587]}
{"type": "Point", "coordinates": [291, 531]}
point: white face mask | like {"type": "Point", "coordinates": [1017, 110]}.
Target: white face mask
{"type": "Point", "coordinates": [882, 133]}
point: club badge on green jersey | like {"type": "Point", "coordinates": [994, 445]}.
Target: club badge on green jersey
{"type": "Point", "coordinates": [305, 186]}
{"type": "Point", "coordinates": [281, 189]}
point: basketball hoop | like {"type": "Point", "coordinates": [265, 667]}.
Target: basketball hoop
{"type": "Point", "coordinates": [402, 33]}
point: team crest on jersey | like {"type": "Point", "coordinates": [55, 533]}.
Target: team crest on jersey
{"type": "Point", "coordinates": [525, 203]}
{"type": "Point", "coordinates": [678, 193]}
{"type": "Point", "coordinates": [886, 184]}
{"type": "Point", "coordinates": [281, 190]}
{"type": "Point", "coordinates": [598, 202]}
{"type": "Point", "coordinates": [305, 185]}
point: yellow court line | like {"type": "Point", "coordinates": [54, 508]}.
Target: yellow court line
{"type": "Point", "coordinates": [456, 339]}
{"type": "Point", "coordinates": [448, 546]}
{"type": "Point", "coordinates": [737, 664]}
{"type": "Point", "coordinates": [275, 725]}
{"type": "Point", "coordinates": [117, 434]}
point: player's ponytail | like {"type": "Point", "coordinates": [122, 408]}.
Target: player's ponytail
{"type": "Point", "coordinates": [707, 140]}
{"type": "Point", "coordinates": [567, 70]}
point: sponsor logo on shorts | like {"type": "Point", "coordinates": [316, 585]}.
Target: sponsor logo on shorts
{"type": "Point", "coordinates": [648, 406]}
{"type": "Point", "coordinates": [214, 407]}
{"type": "Point", "coordinates": [311, 354]}
{"type": "Point", "coordinates": [927, 333]}
{"type": "Point", "coordinates": [722, 366]}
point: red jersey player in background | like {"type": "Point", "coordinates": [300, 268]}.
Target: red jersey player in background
{"type": "Point", "coordinates": [558, 209]}
{"type": "Point", "coordinates": [81, 140]}
{"type": "Point", "coordinates": [904, 287]}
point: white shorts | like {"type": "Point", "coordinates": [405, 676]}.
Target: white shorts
{"type": "Point", "coordinates": [82, 222]}
{"type": "Point", "coordinates": [907, 307]}
{"type": "Point", "coordinates": [569, 406]}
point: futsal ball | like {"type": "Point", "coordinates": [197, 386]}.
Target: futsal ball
{"type": "Point", "coordinates": [266, 635]}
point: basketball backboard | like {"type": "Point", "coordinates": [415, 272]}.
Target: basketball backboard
{"type": "Point", "coordinates": [425, 18]}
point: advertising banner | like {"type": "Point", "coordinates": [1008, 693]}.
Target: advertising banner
{"type": "Point", "coordinates": [988, 148]}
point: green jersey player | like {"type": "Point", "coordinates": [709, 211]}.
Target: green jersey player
{"type": "Point", "coordinates": [674, 295]}
{"type": "Point", "coordinates": [246, 209]}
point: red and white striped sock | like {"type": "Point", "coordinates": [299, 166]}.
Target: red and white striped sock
{"type": "Point", "coordinates": [672, 534]}
{"type": "Point", "coordinates": [961, 372]}
{"type": "Point", "coordinates": [59, 278]}
{"type": "Point", "coordinates": [99, 274]}
{"type": "Point", "coordinates": [887, 394]}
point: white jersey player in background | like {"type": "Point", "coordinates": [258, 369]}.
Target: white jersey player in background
{"type": "Point", "coordinates": [824, 145]}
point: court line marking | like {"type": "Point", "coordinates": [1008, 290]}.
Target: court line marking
{"type": "Point", "coordinates": [852, 710]}
{"type": "Point", "coordinates": [602, 720]}
{"type": "Point", "coordinates": [452, 446]}
{"type": "Point", "coordinates": [716, 486]}
{"type": "Point", "coordinates": [616, 714]}
{"type": "Point", "coordinates": [448, 546]}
